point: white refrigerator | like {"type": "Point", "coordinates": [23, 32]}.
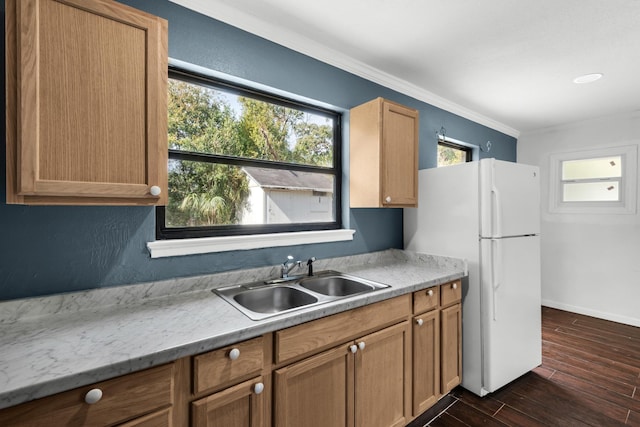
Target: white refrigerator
{"type": "Point", "coordinates": [487, 212]}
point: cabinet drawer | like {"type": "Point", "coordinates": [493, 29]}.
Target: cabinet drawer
{"type": "Point", "coordinates": [333, 330]}
{"type": "Point", "coordinates": [157, 419]}
{"type": "Point", "coordinates": [425, 300]}
{"type": "Point", "coordinates": [450, 293]}
{"type": "Point", "coordinates": [219, 367]}
{"type": "Point", "coordinates": [123, 399]}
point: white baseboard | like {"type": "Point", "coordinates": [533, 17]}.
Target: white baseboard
{"type": "Point", "coordinates": [593, 313]}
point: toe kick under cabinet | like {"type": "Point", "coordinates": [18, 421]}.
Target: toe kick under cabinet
{"type": "Point", "coordinates": [378, 365]}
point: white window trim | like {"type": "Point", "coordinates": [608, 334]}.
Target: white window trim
{"type": "Point", "coordinates": [628, 182]}
{"type": "Point", "coordinates": [178, 247]}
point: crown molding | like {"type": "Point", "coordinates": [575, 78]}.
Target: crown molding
{"type": "Point", "coordinates": [221, 11]}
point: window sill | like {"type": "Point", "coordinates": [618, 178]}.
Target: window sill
{"type": "Point", "coordinates": [179, 247]}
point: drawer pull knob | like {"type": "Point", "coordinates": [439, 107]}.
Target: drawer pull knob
{"type": "Point", "coordinates": [454, 286]}
{"type": "Point", "coordinates": [388, 199]}
{"type": "Point", "coordinates": [155, 190]}
{"type": "Point", "coordinates": [234, 354]}
{"type": "Point", "coordinates": [420, 322]}
{"type": "Point", "coordinates": [353, 348]}
{"type": "Point", "coordinates": [430, 292]}
{"type": "Point", "coordinates": [361, 345]}
{"type": "Point", "coordinates": [258, 388]}
{"type": "Point", "coordinates": [93, 396]}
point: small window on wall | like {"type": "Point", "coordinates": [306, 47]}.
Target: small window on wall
{"type": "Point", "coordinates": [450, 153]}
{"type": "Point", "coordinates": [596, 181]}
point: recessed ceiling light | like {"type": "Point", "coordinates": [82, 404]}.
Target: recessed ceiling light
{"type": "Point", "coordinates": [588, 78]}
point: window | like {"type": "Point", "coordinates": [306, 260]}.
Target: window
{"type": "Point", "coordinates": [243, 162]}
{"type": "Point", "coordinates": [450, 153]}
{"type": "Point", "coordinates": [596, 181]}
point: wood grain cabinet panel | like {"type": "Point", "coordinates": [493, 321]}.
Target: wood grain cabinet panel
{"type": "Point", "coordinates": [86, 103]}
{"type": "Point", "coordinates": [383, 155]}
{"type": "Point", "coordinates": [123, 398]}
{"type": "Point", "coordinates": [451, 347]}
{"type": "Point", "coordinates": [426, 361]}
{"type": "Point", "coordinates": [223, 366]}
{"type": "Point", "coordinates": [237, 406]}
{"type": "Point", "coordinates": [363, 383]}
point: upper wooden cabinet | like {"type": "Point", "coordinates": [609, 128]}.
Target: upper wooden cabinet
{"type": "Point", "coordinates": [383, 140]}
{"type": "Point", "coordinates": [86, 103]}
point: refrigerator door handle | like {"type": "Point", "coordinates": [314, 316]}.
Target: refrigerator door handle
{"type": "Point", "coordinates": [496, 261]}
{"type": "Point", "coordinates": [497, 232]}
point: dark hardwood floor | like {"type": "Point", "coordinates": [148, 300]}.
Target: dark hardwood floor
{"type": "Point", "coordinates": [590, 376]}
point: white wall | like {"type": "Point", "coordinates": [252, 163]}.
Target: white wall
{"type": "Point", "coordinates": [590, 263]}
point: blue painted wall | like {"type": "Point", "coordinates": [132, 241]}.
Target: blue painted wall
{"type": "Point", "coordinates": [49, 249]}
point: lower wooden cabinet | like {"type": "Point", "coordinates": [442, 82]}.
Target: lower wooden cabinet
{"type": "Point", "coordinates": [426, 361]}
{"type": "Point", "coordinates": [451, 362]}
{"type": "Point", "coordinates": [317, 391]}
{"type": "Point", "coordinates": [361, 383]}
{"type": "Point", "coordinates": [242, 405]}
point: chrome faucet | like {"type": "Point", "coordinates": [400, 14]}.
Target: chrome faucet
{"type": "Point", "coordinates": [287, 266]}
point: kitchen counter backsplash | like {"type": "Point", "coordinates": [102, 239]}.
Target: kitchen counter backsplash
{"type": "Point", "coordinates": [56, 343]}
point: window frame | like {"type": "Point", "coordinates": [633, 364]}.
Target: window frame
{"type": "Point", "coordinates": [627, 180]}
{"type": "Point", "coordinates": [447, 142]}
{"type": "Point", "coordinates": [168, 233]}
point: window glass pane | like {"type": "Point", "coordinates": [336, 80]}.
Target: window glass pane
{"type": "Point", "coordinates": [208, 194]}
{"type": "Point", "coordinates": [602, 167]}
{"type": "Point", "coordinates": [451, 156]}
{"type": "Point", "coordinates": [212, 121]}
{"type": "Point", "coordinates": [592, 191]}
{"type": "Point", "coordinates": [205, 194]}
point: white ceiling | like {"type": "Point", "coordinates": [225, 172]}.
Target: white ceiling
{"type": "Point", "coordinates": [505, 63]}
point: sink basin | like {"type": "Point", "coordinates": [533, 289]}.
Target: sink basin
{"type": "Point", "coordinates": [274, 299]}
{"type": "Point", "coordinates": [259, 300]}
{"type": "Point", "coordinates": [335, 286]}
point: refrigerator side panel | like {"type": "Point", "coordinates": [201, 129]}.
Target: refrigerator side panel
{"type": "Point", "coordinates": [511, 305]}
{"type": "Point", "coordinates": [446, 220]}
{"type": "Point", "coordinates": [446, 223]}
{"type": "Point", "coordinates": [509, 199]}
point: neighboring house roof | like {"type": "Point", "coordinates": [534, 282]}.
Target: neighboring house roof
{"type": "Point", "coordinates": [290, 180]}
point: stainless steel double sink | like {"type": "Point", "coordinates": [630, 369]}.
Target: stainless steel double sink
{"type": "Point", "coordinates": [260, 300]}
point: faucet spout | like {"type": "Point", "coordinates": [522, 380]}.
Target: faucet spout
{"type": "Point", "coordinates": [287, 266]}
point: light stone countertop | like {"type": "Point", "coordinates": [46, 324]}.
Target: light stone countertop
{"type": "Point", "coordinates": [56, 343]}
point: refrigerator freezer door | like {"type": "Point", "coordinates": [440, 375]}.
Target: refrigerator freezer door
{"type": "Point", "coordinates": [509, 199]}
{"type": "Point", "coordinates": [511, 325]}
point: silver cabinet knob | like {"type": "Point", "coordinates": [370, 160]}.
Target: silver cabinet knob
{"type": "Point", "coordinates": [234, 354]}
{"type": "Point", "coordinates": [353, 348]}
{"type": "Point", "coordinates": [420, 322]}
{"type": "Point", "coordinates": [388, 199]}
{"type": "Point", "coordinates": [155, 190]}
{"type": "Point", "coordinates": [455, 286]}
{"type": "Point", "coordinates": [361, 345]}
{"type": "Point", "coordinates": [430, 292]}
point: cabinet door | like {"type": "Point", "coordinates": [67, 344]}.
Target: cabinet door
{"type": "Point", "coordinates": [86, 103]}
{"type": "Point", "coordinates": [382, 366]}
{"type": "Point", "coordinates": [242, 405]}
{"type": "Point", "coordinates": [426, 361]}
{"type": "Point", "coordinates": [316, 392]}
{"type": "Point", "coordinates": [451, 341]}
{"type": "Point", "coordinates": [399, 155]}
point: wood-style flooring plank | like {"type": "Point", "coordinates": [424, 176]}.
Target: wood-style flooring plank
{"type": "Point", "coordinates": [446, 420]}
{"type": "Point", "coordinates": [472, 416]}
{"type": "Point", "coordinates": [634, 419]}
{"type": "Point", "coordinates": [582, 358]}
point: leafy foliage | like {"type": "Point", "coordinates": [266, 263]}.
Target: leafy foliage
{"type": "Point", "coordinates": [204, 120]}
